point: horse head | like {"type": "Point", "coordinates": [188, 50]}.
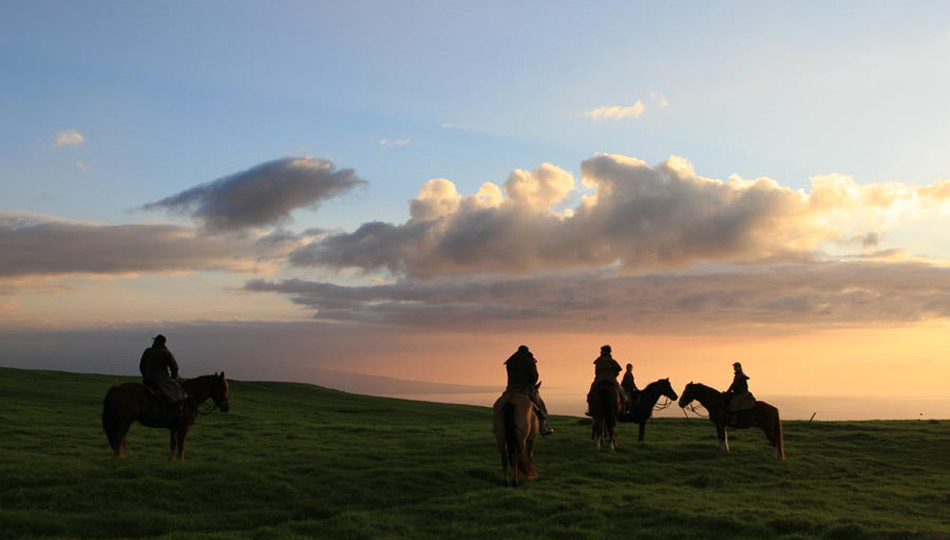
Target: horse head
{"type": "Point", "coordinates": [689, 394]}
{"type": "Point", "coordinates": [220, 393]}
{"type": "Point", "coordinates": [666, 389]}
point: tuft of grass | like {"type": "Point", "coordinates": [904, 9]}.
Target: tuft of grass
{"type": "Point", "coordinates": [299, 461]}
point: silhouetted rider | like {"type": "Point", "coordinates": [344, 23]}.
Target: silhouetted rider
{"type": "Point", "coordinates": [606, 370]}
{"type": "Point", "coordinates": [738, 396]}
{"type": "Point", "coordinates": [522, 376]}
{"type": "Point", "coordinates": [160, 371]}
{"type": "Point", "coordinates": [629, 385]}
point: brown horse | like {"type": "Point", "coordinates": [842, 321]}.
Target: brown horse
{"type": "Point", "coordinates": [605, 405]}
{"type": "Point", "coordinates": [762, 415]}
{"type": "Point", "coordinates": [131, 402]}
{"type": "Point", "coordinates": [642, 410]}
{"type": "Point", "coordinates": [516, 428]}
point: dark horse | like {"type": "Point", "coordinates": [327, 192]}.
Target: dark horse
{"type": "Point", "coordinates": [516, 428]}
{"type": "Point", "coordinates": [130, 402]}
{"type": "Point", "coordinates": [605, 408]}
{"type": "Point", "coordinates": [642, 410]}
{"type": "Point", "coordinates": [762, 415]}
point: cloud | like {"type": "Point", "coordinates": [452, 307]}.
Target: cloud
{"type": "Point", "coordinates": [394, 142]}
{"type": "Point", "coordinates": [70, 137]}
{"type": "Point", "coordinates": [659, 100]}
{"type": "Point", "coordinates": [82, 166]}
{"type": "Point", "coordinates": [745, 299]}
{"type": "Point", "coordinates": [630, 214]}
{"type": "Point", "coordinates": [34, 245]}
{"type": "Point", "coordinates": [261, 196]}
{"type": "Point", "coordinates": [617, 112]}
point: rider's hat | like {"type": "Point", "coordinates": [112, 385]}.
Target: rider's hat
{"type": "Point", "coordinates": [159, 338]}
{"type": "Point", "coordinates": [522, 348]}
{"type": "Point", "coordinates": [605, 349]}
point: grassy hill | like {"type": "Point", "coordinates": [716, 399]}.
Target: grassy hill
{"type": "Point", "coordinates": [299, 461]}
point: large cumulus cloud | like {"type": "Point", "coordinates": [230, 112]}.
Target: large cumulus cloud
{"type": "Point", "coordinates": [263, 195]}
{"type": "Point", "coordinates": [629, 214]}
{"type": "Point", "coordinates": [728, 299]}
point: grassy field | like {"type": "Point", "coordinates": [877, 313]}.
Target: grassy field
{"type": "Point", "coordinates": [299, 461]}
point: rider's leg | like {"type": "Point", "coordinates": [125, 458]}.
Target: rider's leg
{"type": "Point", "coordinates": [542, 413]}
{"type": "Point", "coordinates": [589, 394]}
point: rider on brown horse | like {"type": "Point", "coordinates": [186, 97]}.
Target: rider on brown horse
{"type": "Point", "coordinates": [606, 370]}
{"type": "Point", "coordinates": [738, 396]}
{"type": "Point", "coordinates": [160, 372]}
{"type": "Point", "coordinates": [522, 377]}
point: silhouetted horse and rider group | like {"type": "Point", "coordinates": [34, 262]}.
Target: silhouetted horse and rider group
{"type": "Point", "coordinates": [520, 414]}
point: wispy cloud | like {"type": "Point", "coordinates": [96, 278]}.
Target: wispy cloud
{"type": "Point", "coordinates": [394, 142]}
{"type": "Point", "coordinates": [817, 294]}
{"type": "Point", "coordinates": [70, 137]}
{"type": "Point", "coordinates": [33, 245]}
{"type": "Point", "coordinates": [658, 100]}
{"type": "Point", "coordinates": [263, 195]}
{"type": "Point", "coordinates": [81, 165]}
{"type": "Point", "coordinates": [617, 112]}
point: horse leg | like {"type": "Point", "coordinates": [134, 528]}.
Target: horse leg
{"type": "Point", "coordinates": [119, 435]}
{"type": "Point", "coordinates": [173, 443]}
{"type": "Point", "coordinates": [723, 438]}
{"type": "Point", "coordinates": [182, 435]}
{"type": "Point", "coordinates": [612, 430]}
{"type": "Point", "coordinates": [643, 428]}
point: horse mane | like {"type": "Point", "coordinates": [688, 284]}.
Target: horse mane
{"type": "Point", "coordinates": [654, 384]}
{"type": "Point", "coordinates": [702, 386]}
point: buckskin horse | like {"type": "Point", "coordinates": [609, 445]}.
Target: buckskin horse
{"type": "Point", "coordinates": [516, 427]}
{"type": "Point", "coordinates": [761, 415]}
{"type": "Point", "coordinates": [642, 410]}
{"type": "Point", "coordinates": [605, 405]}
{"type": "Point", "coordinates": [131, 402]}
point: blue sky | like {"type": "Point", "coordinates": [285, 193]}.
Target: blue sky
{"type": "Point", "coordinates": [174, 94]}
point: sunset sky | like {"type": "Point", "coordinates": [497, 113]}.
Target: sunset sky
{"type": "Point", "coordinates": [410, 190]}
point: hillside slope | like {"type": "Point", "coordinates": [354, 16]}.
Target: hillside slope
{"type": "Point", "coordinates": [296, 461]}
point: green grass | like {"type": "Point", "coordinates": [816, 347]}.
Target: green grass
{"type": "Point", "coordinates": [298, 461]}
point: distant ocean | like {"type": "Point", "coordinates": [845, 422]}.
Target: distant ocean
{"type": "Point", "coordinates": [790, 407]}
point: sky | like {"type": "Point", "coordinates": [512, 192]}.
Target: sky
{"type": "Point", "coordinates": [392, 196]}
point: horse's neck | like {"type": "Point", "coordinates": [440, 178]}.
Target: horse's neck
{"type": "Point", "coordinates": [708, 397]}
{"type": "Point", "coordinates": [652, 393]}
{"type": "Point", "coordinates": [199, 389]}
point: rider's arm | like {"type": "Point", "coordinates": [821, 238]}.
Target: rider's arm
{"type": "Point", "coordinates": [173, 365]}
{"type": "Point", "coordinates": [142, 363]}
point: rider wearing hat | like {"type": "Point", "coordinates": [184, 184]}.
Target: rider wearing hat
{"type": "Point", "coordinates": [160, 371]}
{"type": "Point", "coordinates": [738, 395]}
{"type": "Point", "coordinates": [629, 385]}
{"type": "Point", "coordinates": [606, 370]}
{"type": "Point", "coordinates": [522, 377]}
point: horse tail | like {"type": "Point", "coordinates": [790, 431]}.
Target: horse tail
{"type": "Point", "coordinates": [109, 422]}
{"type": "Point", "coordinates": [608, 403]}
{"type": "Point", "coordinates": [780, 436]}
{"type": "Point", "coordinates": [521, 464]}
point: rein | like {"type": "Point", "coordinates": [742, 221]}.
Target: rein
{"type": "Point", "coordinates": [209, 410]}
{"type": "Point", "coordinates": [661, 406]}
{"type": "Point", "coordinates": [692, 409]}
